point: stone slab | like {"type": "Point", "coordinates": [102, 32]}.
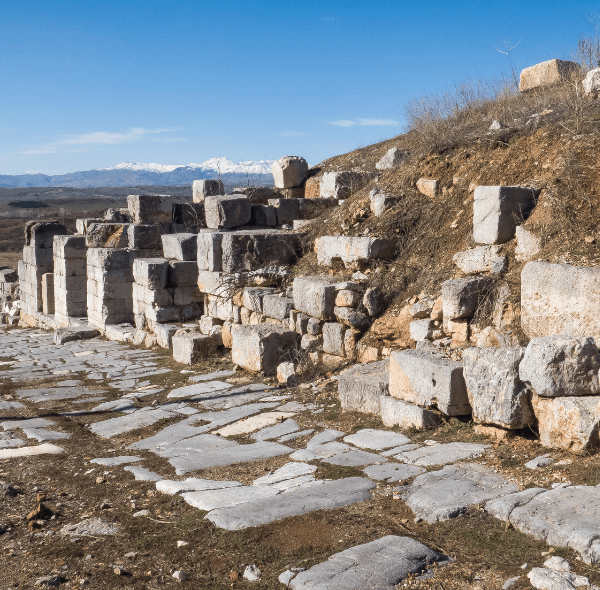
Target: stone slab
{"type": "Point", "coordinates": [43, 449]}
{"type": "Point", "coordinates": [142, 474]}
{"type": "Point", "coordinates": [354, 458]}
{"type": "Point", "coordinates": [112, 461]}
{"type": "Point", "coordinates": [288, 471]}
{"type": "Point", "coordinates": [192, 484]}
{"type": "Point", "coordinates": [226, 497]}
{"type": "Point", "coordinates": [378, 440]}
{"type": "Point", "coordinates": [441, 454]}
{"type": "Point", "coordinates": [392, 472]}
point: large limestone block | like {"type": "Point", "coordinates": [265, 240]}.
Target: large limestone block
{"type": "Point", "coordinates": [497, 210]}
{"type": "Point", "coordinates": [190, 348]}
{"type": "Point", "coordinates": [277, 307]}
{"type": "Point", "coordinates": [69, 247]}
{"type": "Point", "coordinates": [528, 244]}
{"type": "Point", "coordinates": [183, 273]}
{"type": "Point", "coordinates": [333, 338]}
{"type": "Point", "coordinates": [392, 158]}
{"type": "Point", "coordinates": [108, 259]}
{"type": "Point", "coordinates": [107, 235]}
{"type": "Point", "coordinates": [475, 260]}
{"type": "Point", "coordinates": [556, 366]}
{"type": "Point", "coordinates": [362, 387]}
{"type": "Point", "coordinates": [569, 423]}
{"type": "Point", "coordinates": [48, 293]}
{"type": "Point", "coordinates": [262, 348]}
{"type": "Point", "coordinates": [151, 273]}
{"type": "Point", "coordinates": [38, 256]}
{"type": "Point", "coordinates": [289, 171]}
{"type": "Point", "coordinates": [208, 187]}
{"type": "Point", "coordinates": [496, 393]}
{"type": "Point", "coordinates": [40, 234]}
{"type": "Point", "coordinates": [380, 203]}
{"type": "Point", "coordinates": [315, 296]}
{"type": "Point", "coordinates": [352, 250]}
{"type": "Point", "coordinates": [428, 187]}
{"type": "Point", "coordinates": [209, 250]}
{"type": "Point", "coordinates": [395, 412]}
{"type": "Point", "coordinates": [548, 73]}
{"type": "Point", "coordinates": [150, 208]}
{"type": "Point", "coordinates": [341, 185]}
{"type": "Point", "coordinates": [70, 267]}
{"type": "Point", "coordinates": [460, 297]}
{"type": "Point", "coordinates": [286, 210]}
{"type": "Point", "coordinates": [249, 250]}
{"type": "Point", "coordinates": [227, 211]}
{"type": "Point", "coordinates": [213, 283]}
{"type": "Point", "coordinates": [560, 299]}
{"type": "Point", "coordinates": [591, 82]}
{"type": "Point", "coordinates": [144, 237]}
{"type": "Point", "coordinates": [180, 246]}
{"type": "Point", "coordinates": [428, 379]}
{"type": "Point", "coordinates": [253, 298]}
{"type": "Point", "coordinates": [263, 215]}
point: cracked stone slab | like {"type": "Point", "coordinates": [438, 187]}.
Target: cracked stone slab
{"type": "Point", "coordinates": [323, 451]}
{"type": "Point", "coordinates": [142, 474]}
{"type": "Point", "coordinates": [201, 389]}
{"type": "Point", "coordinates": [211, 376]}
{"type": "Point", "coordinates": [26, 423]}
{"type": "Point", "coordinates": [549, 579]}
{"type": "Point", "coordinates": [43, 449]}
{"type": "Point", "coordinates": [442, 454]}
{"type": "Point", "coordinates": [195, 444]}
{"type": "Point", "coordinates": [254, 423]}
{"type": "Point", "coordinates": [378, 565]}
{"type": "Point", "coordinates": [113, 461]}
{"type": "Point", "coordinates": [355, 458]}
{"type": "Point", "coordinates": [331, 494]}
{"type": "Point", "coordinates": [445, 494]}
{"type": "Point", "coordinates": [226, 497]}
{"type": "Point", "coordinates": [227, 456]}
{"type": "Point", "coordinates": [324, 437]}
{"type": "Point", "coordinates": [11, 443]}
{"type": "Point", "coordinates": [378, 440]}
{"type": "Point", "coordinates": [391, 472]}
{"type": "Point", "coordinates": [192, 484]}
{"type": "Point", "coordinates": [295, 435]}
{"type": "Point", "coordinates": [284, 428]}
{"type": "Point", "coordinates": [229, 398]}
{"type": "Point", "coordinates": [122, 424]}
{"type": "Point", "coordinates": [400, 449]}
{"type": "Point", "coordinates": [288, 471]}
{"type": "Point", "coordinates": [10, 405]}
{"type": "Point", "coordinates": [43, 435]}
{"type": "Point", "coordinates": [562, 517]}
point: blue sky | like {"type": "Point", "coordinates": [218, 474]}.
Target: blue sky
{"type": "Point", "coordinates": [91, 84]}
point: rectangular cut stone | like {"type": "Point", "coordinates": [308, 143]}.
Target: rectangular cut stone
{"type": "Point", "coordinates": [548, 73]}
{"type": "Point", "coordinates": [362, 387]}
{"type": "Point", "coordinates": [315, 296]}
{"type": "Point", "coordinates": [151, 273]}
{"type": "Point", "coordinates": [70, 267]}
{"type": "Point", "coordinates": [107, 235]}
{"type": "Point", "coordinates": [262, 348]}
{"type": "Point", "coordinates": [341, 185]}
{"type": "Point", "coordinates": [353, 250]}
{"type": "Point", "coordinates": [213, 283]}
{"type": "Point", "coordinates": [150, 208]}
{"type": "Point", "coordinates": [333, 338]}
{"type": "Point", "coordinates": [144, 237]}
{"type": "Point", "coordinates": [289, 171]}
{"type": "Point", "coordinates": [395, 412]}
{"type": "Point", "coordinates": [498, 209]}
{"type": "Point", "coordinates": [207, 187]}
{"type": "Point", "coordinates": [209, 250]}
{"type": "Point", "coordinates": [227, 211]}
{"type": "Point", "coordinates": [40, 234]}
{"type": "Point", "coordinates": [180, 246]}
{"type": "Point", "coordinates": [48, 293]}
{"type": "Point", "coordinates": [560, 299]}
{"type": "Point", "coordinates": [190, 348]}
{"type": "Point", "coordinates": [263, 215]}
{"type": "Point", "coordinates": [460, 297]}
{"type": "Point", "coordinates": [427, 379]}
{"type": "Point", "coordinates": [253, 298]}
{"type": "Point", "coordinates": [38, 256]}
{"type": "Point", "coordinates": [69, 247]}
{"type": "Point", "coordinates": [109, 258]}
{"type": "Point", "coordinates": [277, 307]}
{"type": "Point", "coordinates": [183, 273]}
{"type": "Point", "coordinates": [480, 259]}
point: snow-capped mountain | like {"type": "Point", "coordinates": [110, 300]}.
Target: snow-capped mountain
{"type": "Point", "coordinates": [138, 174]}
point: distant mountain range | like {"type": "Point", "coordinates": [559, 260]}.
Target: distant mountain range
{"type": "Point", "coordinates": [131, 174]}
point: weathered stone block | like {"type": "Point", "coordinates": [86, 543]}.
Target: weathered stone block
{"type": "Point", "coordinates": [40, 235]}
{"type": "Point", "coordinates": [277, 307]}
{"type": "Point", "coordinates": [421, 330]}
{"type": "Point", "coordinates": [107, 235]}
{"type": "Point", "coordinates": [341, 185]}
{"type": "Point", "coordinates": [151, 273]}
{"type": "Point", "coordinates": [392, 158]}
{"type": "Point", "coordinates": [253, 298]}
{"type": "Point", "coordinates": [69, 247]}
{"type": "Point", "coordinates": [263, 215]}
{"type": "Point", "coordinates": [109, 259]}
{"type": "Point", "coordinates": [289, 171]}
{"type": "Point", "coordinates": [286, 210]}
{"type": "Point", "coordinates": [183, 273]}
{"type": "Point", "coordinates": [48, 293]}
{"type": "Point", "coordinates": [361, 388]}
{"type": "Point", "coordinates": [150, 208]}
{"type": "Point", "coordinates": [427, 379]}
{"type": "Point", "coordinates": [333, 338]}
{"type": "Point", "coordinates": [262, 348]}
{"type": "Point", "coordinates": [164, 334]}
{"type": "Point", "coordinates": [180, 246]}
{"type": "Point", "coordinates": [381, 202]}
{"type": "Point", "coordinates": [395, 412]}
{"type": "Point", "coordinates": [315, 296]}
{"type": "Point", "coordinates": [496, 393]}
{"type": "Point", "coordinates": [144, 237]}
{"type": "Point", "coordinates": [353, 250]}
{"type": "Point", "coordinates": [548, 73]}
{"type": "Point", "coordinates": [190, 348]}
{"type": "Point", "coordinates": [209, 187]}
{"type": "Point", "coordinates": [460, 297]}
{"type": "Point", "coordinates": [528, 245]}
{"type": "Point", "coordinates": [227, 211]}
{"type": "Point", "coordinates": [350, 317]}
{"type": "Point", "coordinates": [347, 298]}
{"type": "Point", "coordinates": [428, 187]}
{"type": "Point", "coordinates": [497, 210]}
{"type": "Point", "coordinates": [480, 259]}
{"type": "Point", "coordinates": [556, 366]}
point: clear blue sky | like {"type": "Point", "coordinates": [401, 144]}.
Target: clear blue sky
{"type": "Point", "coordinates": [91, 84]}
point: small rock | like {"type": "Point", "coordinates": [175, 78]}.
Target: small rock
{"type": "Point", "coordinates": [119, 571]}
{"type": "Point", "coordinates": [252, 573]}
{"type": "Point", "coordinates": [557, 563]}
{"type": "Point", "coordinates": [104, 506]}
{"type": "Point", "coordinates": [141, 513]}
{"type": "Point", "coordinates": [373, 301]}
{"type": "Point", "coordinates": [182, 543]}
{"type": "Point", "coordinates": [49, 581]}
{"type": "Point", "coordinates": [538, 462]}
{"type": "Point", "coordinates": [286, 577]}
{"type": "Point", "coordinates": [130, 555]}
{"type": "Point", "coordinates": [100, 479]}
{"type": "Point", "coordinates": [510, 582]}
{"type": "Point", "coordinates": [181, 575]}
{"type": "Point", "coordinates": [233, 575]}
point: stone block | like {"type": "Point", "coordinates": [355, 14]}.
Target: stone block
{"type": "Point", "coordinates": [108, 259]}
{"type": "Point", "coordinates": [161, 315]}
{"type": "Point", "coordinates": [591, 82]}
{"type": "Point", "coordinates": [548, 73]}
{"type": "Point", "coordinates": [347, 298]}
{"type": "Point", "coordinates": [314, 327]}
{"type": "Point", "coordinates": [315, 296]}
{"type": "Point", "coordinates": [72, 267]}
{"type": "Point", "coordinates": [227, 211]}
{"type": "Point", "coordinates": [151, 273]}
{"type": "Point", "coordinates": [289, 171]}
{"type": "Point", "coordinates": [144, 237]}
{"type": "Point", "coordinates": [476, 260]}
{"type": "Point", "coordinates": [361, 388]}
{"type": "Point", "coordinates": [286, 210]}
{"type": "Point", "coordinates": [380, 203]}
{"type": "Point", "coordinates": [460, 297]}
{"type": "Point", "coordinates": [392, 158]}
{"type": "Point", "coordinates": [421, 330]}
{"type": "Point", "coordinates": [286, 374]}
{"type": "Point", "coordinates": [557, 366]}
{"type": "Point", "coordinates": [568, 423]}
{"type": "Point", "coordinates": [209, 187]}
{"type": "Point", "coordinates": [496, 393]}
{"type": "Point", "coordinates": [38, 257]}
{"type": "Point", "coordinates": [352, 318]}
{"type": "Point", "coordinates": [183, 273]}
{"type": "Point", "coordinates": [312, 189]}
{"type": "Point", "coordinates": [188, 217]}
{"type": "Point", "coordinates": [191, 348]}
{"type": "Point", "coordinates": [276, 307]}
{"type": "Point", "coordinates": [150, 208]}
{"type": "Point", "coordinates": [333, 338]}
{"type": "Point", "coordinates": [220, 308]}
{"type": "Point", "coordinates": [48, 293]}
{"type": "Point", "coordinates": [353, 251]}
{"type": "Point", "coordinates": [301, 323]}
{"type": "Point", "coordinates": [430, 380]}
{"type": "Point", "coordinates": [160, 297]}
{"type": "Point", "coordinates": [8, 275]}
{"type": "Point", "coordinates": [253, 298]}
{"type": "Point", "coordinates": [107, 235]}
{"type": "Point", "coordinates": [180, 246]}
{"type": "Point", "coordinates": [341, 185]}
{"type": "Point", "coordinates": [263, 215]}
{"type": "Point", "coordinates": [164, 334]}
{"type": "Point", "coordinates": [183, 296]}
{"type": "Point", "coordinates": [528, 244]}
{"type": "Point", "coordinates": [497, 210]}
{"type": "Point", "coordinates": [69, 247]}
{"type": "Point", "coordinates": [262, 348]}
{"type": "Point", "coordinates": [311, 343]}
{"type": "Point", "coordinates": [560, 299]}
{"type": "Point", "coordinates": [210, 250]}
{"type": "Point", "coordinates": [428, 187]}
{"type": "Point", "coordinates": [395, 412]}
{"type": "Point", "coordinates": [40, 235]}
